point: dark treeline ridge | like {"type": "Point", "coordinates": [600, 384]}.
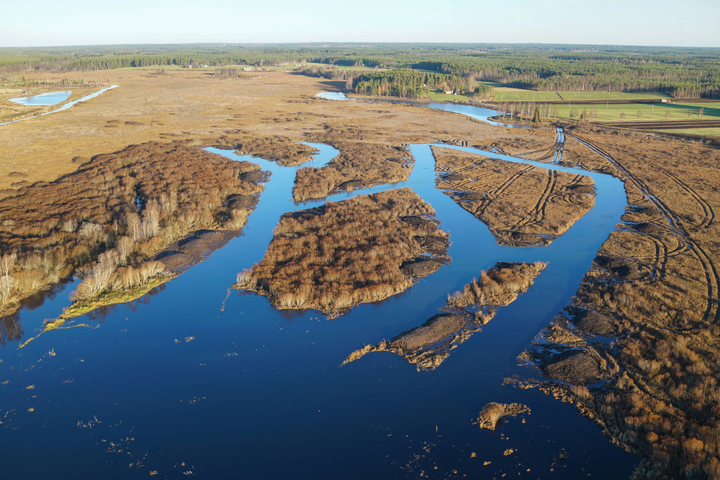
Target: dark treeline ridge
{"type": "Point", "coordinates": [412, 84]}
{"type": "Point", "coordinates": [680, 72]}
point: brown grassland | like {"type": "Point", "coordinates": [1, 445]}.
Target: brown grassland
{"type": "Point", "coordinates": [185, 104]}
{"type": "Point", "coordinates": [640, 340]}
{"type": "Point", "coordinates": [362, 250]}
{"type": "Point", "coordinates": [521, 205]}
{"type": "Point", "coordinates": [430, 344]}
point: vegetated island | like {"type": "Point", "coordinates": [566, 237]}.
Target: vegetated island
{"type": "Point", "coordinates": [428, 345]}
{"type": "Point", "coordinates": [522, 205]}
{"type": "Point", "coordinates": [118, 222]}
{"type": "Point", "coordinates": [283, 150]}
{"type": "Point", "coordinates": [493, 412]}
{"type": "Point", "coordinates": [358, 166]}
{"type": "Point", "coordinates": [334, 257]}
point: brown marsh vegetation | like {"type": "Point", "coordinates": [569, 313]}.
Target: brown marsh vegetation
{"type": "Point", "coordinates": [334, 257]}
{"type": "Point", "coordinates": [499, 286]}
{"type": "Point", "coordinates": [639, 343]}
{"type": "Point", "coordinates": [493, 412]}
{"type": "Point", "coordinates": [358, 166]}
{"type": "Point", "coordinates": [521, 205]}
{"type": "Point", "coordinates": [107, 221]}
{"type": "Point", "coordinates": [283, 150]}
{"type": "Point", "coordinates": [430, 344]}
{"type": "Point", "coordinates": [195, 104]}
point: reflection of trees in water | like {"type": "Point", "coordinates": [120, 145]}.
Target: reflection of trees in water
{"type": "Point", "coordinates": [10, 328]}
{"type": "Point", "coordinates": [10, 325]}
{"type": "Point", "coordinates": [145, 299]}
{"type": "Point", "coordinates": [101, 313]}
{"type": "Point", "coordinates": [38, 300]}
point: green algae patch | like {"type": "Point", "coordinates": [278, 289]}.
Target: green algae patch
{"type": "Point", "coordinates": [113, 297]}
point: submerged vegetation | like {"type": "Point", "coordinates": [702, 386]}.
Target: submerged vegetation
{"type": "Point", "coordinates": [337, 256]}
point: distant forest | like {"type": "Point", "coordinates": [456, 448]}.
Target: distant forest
{"type": "Point", "coordinates": [679, 72]}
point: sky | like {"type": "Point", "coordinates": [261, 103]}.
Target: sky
{"type": "Point", "coordinates": [603, 22]}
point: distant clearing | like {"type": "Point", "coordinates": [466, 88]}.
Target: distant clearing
{"type": "Point", "coordinates": [504, 94]}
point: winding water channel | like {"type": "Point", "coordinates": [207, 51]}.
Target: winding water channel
{"type": "Point", "coordinates": [195, 379]}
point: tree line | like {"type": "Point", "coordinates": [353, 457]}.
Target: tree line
{"type": "Point", "coordinates": [680, 72]}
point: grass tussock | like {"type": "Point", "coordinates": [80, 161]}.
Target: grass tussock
{"type": "Point", "coordinates": [106, 221]}
{"type": "Point", "coordinates": [359, 165]}
{"type": "Point", "coordinates": [334, 257]}
{"type": "Point", "coordinates": [493, 412]}
{"type": "Point", "coordinates": [430, 344]}
{"type": "Point", "coordinates": [520, 204]}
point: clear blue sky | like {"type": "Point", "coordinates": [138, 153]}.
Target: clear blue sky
{"type": "Point", "coordinates": [629, 22]}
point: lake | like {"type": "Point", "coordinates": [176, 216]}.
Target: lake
{"type": "Point", "coordinates": [197, 379]}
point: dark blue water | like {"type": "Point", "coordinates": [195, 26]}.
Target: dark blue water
{"type": "Point", "coordinates": [192, 379]}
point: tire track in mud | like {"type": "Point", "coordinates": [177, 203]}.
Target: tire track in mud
{"type": "Point", "coordinates": [708, 212]}
{"type": "Point", "coordinates": [501, 189]}
{"type": "Point", "coordinates": [712, 312]}
{"type": "Point", "coordinates": [659, 259]}
{"type": "Point", "coordinates": [554, 152]}
{"type": "Point", "coordinates": [559, 145]}
{"type": "Point", "coordinates": [537, 214]}
{"type": "Point", "coordinates": [491, 197]}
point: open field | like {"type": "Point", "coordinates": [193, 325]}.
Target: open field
{"type": "Point", "coordinates": [505, 94]}
{"type": "Point", "coordinates": [346, 68]}
{"type": "Point", "coordinates": [705, 132]}
{"type": "Point", "coordinates": [597, 95]}
{"type": "Point", "coordinates": [639, 112]}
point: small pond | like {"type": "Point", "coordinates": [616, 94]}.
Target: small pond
{"type": "Point", "coordinates": [43, 99]}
